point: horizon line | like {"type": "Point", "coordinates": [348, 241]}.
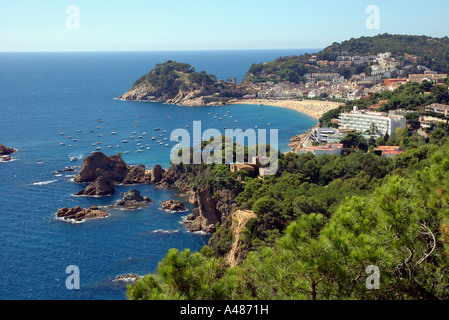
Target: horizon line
{"type": "Point", "coordinates": [155, 50]}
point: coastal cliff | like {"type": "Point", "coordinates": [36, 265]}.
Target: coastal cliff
{"type": "Point", "coordinates": [195, 184]}
{"type": "Point", "coordinates": [176, 83]}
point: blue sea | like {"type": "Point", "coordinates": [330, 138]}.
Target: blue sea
{"type": "Point", "coordinates": [48, 99]}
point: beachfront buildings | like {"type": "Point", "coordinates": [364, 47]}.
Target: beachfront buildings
{"type": "Point", "coordinates": [327, 135]}
{"type": "Point", "coordinates": [373, 123]}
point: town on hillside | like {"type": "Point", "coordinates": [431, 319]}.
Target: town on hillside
{"type": "Point", "coordinates": [386, 72]}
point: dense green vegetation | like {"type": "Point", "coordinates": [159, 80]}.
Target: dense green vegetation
{"type": "Point", "coordinates": [320, 223]}
{"type": "Point", "coordinates": [324, 221]}
{"type": "Point", "coordinates": [431, 52]}
{"type": "Point", "coordinates": [172, 76]}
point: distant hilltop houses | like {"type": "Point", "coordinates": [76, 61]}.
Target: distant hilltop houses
{"type": "Point", "coordinates": [384, 71]}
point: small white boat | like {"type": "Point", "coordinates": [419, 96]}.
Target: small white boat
{"type": "Point", "coordinates": [61, 133]}
{"type": "Point", "coordinates": [62, 144]}
{"type": "Point", "coordinates": [73, 159]}
{"type": "Point", "coordinates": [113, 133]}
{"type": "Point", "coordinates": [126, 152]}
{"type": "Point", "coordinates": [164, 131]}
{"type": "Point", "coordinates": [110, 147]}
{"type": "Point", "coordinates": [157, 129]}
{"type": "Point", "coordinates": [165, 139]}
{"type": "Point", "coordinates": [125, 141]}
{"type": "Point", "coordinates": [167, 145]}
{"type": "Point", "coordinates": [153, 138]}
{"type": "Point", "coordinates": [138, 151]}
{"type": "Point", "coordinates": [98, 148]}
{"type": "Point", "coordinates": [148, 148]}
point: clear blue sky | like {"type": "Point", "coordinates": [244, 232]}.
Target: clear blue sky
{"type": "Point", "coordinates": [134, 25]}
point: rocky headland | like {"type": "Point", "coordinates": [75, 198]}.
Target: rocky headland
{"type": "Point", "coordinates": [176, 83]}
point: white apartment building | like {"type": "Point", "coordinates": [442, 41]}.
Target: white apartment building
{"type": "Point", "coordinates": [365, 121]}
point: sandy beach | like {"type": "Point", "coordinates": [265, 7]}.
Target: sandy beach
{"type": "Point", "coordinates": [313, 108]}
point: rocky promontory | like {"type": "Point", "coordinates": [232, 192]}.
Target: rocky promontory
{"type": "Point", "coordinates": [79, 214]}
{"type": "Point", "coordinates": [177, 83]}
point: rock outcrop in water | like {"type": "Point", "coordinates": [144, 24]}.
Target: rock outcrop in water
{"type": "Point", "coordinates": [115, 169]}
{"type": "Point", "coordinates": [173, 205]}
{"type": "Point", "coordinates": [98, 164]}
{"type": "Point", "coordinates": [100, 187]}
{"type": "Point", "coordinates": [79, 214]}
{"type": "Point", "coordinates": [132, 200]}
{"type": "Point", "coordinates": [5, 153]}
{"type": "Point", "coordinates": [214, 205]}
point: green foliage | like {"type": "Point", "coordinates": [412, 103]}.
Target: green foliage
{"type": "Point", "coordinates": [401, 228]}
{"type": "Point", "coordinates": [171, 76]}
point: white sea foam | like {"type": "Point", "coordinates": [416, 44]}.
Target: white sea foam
{"type": "Point", "coordinates": [164, 231]}
{"type": "Point", "coordinates": [43, 183]}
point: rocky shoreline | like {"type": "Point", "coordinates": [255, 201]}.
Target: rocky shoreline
{"type": "Point", "coordinates": [102, 173]}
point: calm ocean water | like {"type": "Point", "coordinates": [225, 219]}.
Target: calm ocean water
{"type": "Point", "coordinates": [45, 94]}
